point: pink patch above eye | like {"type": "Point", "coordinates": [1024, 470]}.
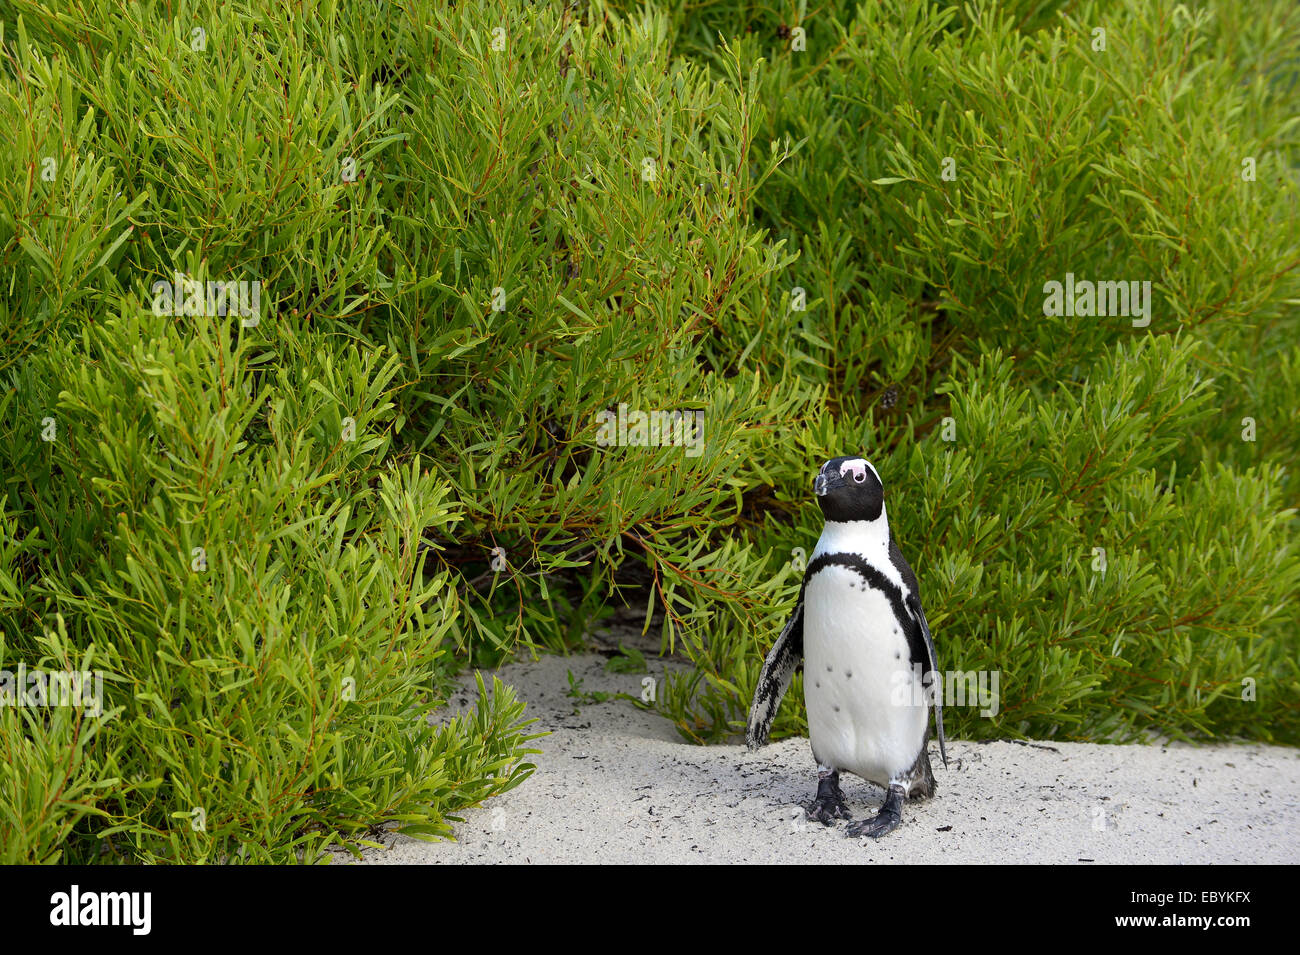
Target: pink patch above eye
{"type": "Point", "coordinates": [858, 469]}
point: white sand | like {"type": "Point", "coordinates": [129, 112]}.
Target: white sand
{"type": "Point", "coordinates": [616, 784]}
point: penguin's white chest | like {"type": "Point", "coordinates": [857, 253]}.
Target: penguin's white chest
{"type": "Point", "coordinates": [865, 714]}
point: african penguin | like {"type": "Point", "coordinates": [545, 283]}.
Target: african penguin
{"type": "Point", "coordinates": [860, 633]}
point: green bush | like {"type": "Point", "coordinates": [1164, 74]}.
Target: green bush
{"type": "Point", "coordinates": [475, 233]}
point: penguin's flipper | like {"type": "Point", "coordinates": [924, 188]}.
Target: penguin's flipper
{"type": "Point", "coordinates": [912, 597]}
{"type": "Point", "coordinates": [786, 657]}
{"type": "Point", "coordinates": [914, 605]}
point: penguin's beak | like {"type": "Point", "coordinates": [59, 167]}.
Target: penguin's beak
{"type": "Point", "coordinates": [823, 484]}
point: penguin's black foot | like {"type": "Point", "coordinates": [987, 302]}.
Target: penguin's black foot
{"type": "Point", "coordinates": [829, 804]}
{"type": "Point", "coordinates": [884, 822]}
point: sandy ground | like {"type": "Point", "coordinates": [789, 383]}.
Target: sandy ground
{"type": "Point", "coordinates": [617, 784]}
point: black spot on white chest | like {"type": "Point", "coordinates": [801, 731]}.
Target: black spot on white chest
{"type": "Point", "coordinates": [857, 660]}
{"type": "Point", "coordinates": [851, 632]}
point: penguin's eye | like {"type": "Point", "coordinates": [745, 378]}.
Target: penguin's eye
{"type": "Point", "coordinates": [857, 467]}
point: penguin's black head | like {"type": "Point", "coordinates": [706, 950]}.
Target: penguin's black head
{"type": "Point", "coordinates": [849, 489]}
